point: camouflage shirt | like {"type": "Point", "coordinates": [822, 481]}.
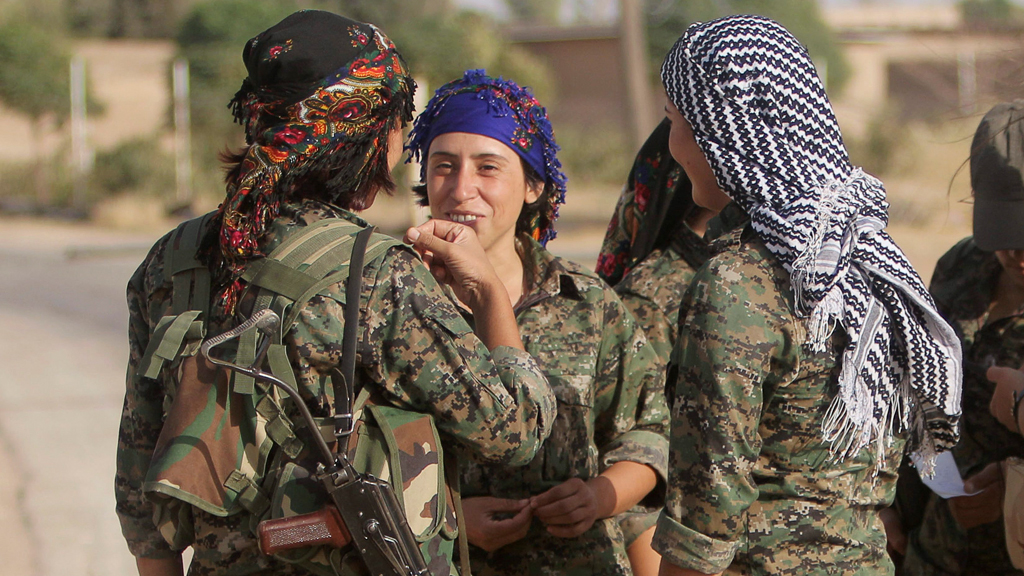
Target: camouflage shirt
{"type": "Point", "coordinates": [414, 348]}
{"type": "Point", "coordinates": [653, 289]}
{"type": "Point", "coordinates": [963, 285]}
{"type": "Point", "coordinates": [602, 371]}
{"type": "Point", "coordinates": [752, 489]}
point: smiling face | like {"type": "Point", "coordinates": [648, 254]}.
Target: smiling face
{"type": "Point", "coordinates": [685, 150]}
{"type": "Point", "coordinates": [478, 181]}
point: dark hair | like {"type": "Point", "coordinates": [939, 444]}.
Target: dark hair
{"type": "Point", "coordinates": [323, 184]}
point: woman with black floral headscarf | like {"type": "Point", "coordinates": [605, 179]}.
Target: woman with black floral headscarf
{"type": "Point", "coordinates": [809, 350]}
{"type": "Point", "coordinates": [323, 107]}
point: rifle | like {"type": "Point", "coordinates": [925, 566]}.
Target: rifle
{"type": "Point", "coordinates": [370, 515]}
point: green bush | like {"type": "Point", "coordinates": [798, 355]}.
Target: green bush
{"type": "Point", "coordinates": [137, 165]}
{"type": "Point", "coordinates": [884, 149]}
{"type": "Point", "coordinates": [598, 155]}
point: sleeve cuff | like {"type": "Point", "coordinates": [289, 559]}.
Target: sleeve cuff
{"type": "Point", "coordinates": [515, 367]}
{"type": "Point", "coordinates": [514, 357]}
{"type": "Point", "coordinates": [641, 446]}
{"type": "Point", "coordinates": [687, 548]}
{"type": "Point", "coordinates": [150, 545]}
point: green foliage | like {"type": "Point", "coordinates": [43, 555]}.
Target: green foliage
{"type": "Point", "coordinates": [535, 11]}
{"type": "Point", "coordinates": [990, 14]}
{"type": "Point", "coordinates": [211, 38]}
{"type": "Point", "coordinates": [34, 70]}
{"type": "Point", "coordinates": [884, 149]}
{"type": "Point", "coordinates": [137, 165]}
{"type": "Point", "coordinates": [441, 47]}
{"type": "Point", "coordinates": [596, 154]}
{"type": "Point", "coordinates": [438, 42]}
{"type": "Point", "coordinates": [668, 19]}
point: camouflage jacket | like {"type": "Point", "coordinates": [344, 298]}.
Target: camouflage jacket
{"type": "Point", "coordinates": [963, 286]}
{"type": "Point", "coordinates": [752, 488]}
{"type": "Point", "coordinates": [653, 289]}
{"type": "Point", "coordinates": [603, 373]}
{"type": "Point", "coordinates": [414, 348]}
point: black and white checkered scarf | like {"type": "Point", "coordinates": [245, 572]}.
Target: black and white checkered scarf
{"type": "Point", "coordinates": [759, 112]}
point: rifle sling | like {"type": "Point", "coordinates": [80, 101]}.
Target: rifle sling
{"type": "Point", "coordinates": [343, 390]}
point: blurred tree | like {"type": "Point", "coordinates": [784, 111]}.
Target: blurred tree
{"type": "Point", "coordinates": [438, 41]}
{"type": "Point", "coordinates": [535, 11]}
{"type": "Point", "coordinates": [142, 18]}
{"type": "Point", "coordinates": [990, 14]}
{"type": "Point", "coordinates": [34, 81]}
{"type": "Point", "coordinates": [211, 38]}
{"type": "Point", "coordinates": [668, 19]}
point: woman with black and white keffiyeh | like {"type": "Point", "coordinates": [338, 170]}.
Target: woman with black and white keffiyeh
{"type": "Point", "coordinates": [810, 354]}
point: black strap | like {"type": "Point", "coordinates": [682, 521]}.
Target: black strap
{"type": "Point", "coordinates": [343, 390]}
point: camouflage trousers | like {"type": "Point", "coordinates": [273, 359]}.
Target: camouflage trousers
{"type": "Point", "coordinates": [598, 552]}
{"type": "Point", "coordinates": [939, 546]}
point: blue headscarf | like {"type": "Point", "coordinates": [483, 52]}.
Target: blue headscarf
{"type": "Point", "coordinates": [502, 110]}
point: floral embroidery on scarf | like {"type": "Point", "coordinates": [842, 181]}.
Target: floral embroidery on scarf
{"type": "Point", "coordinates": [276, 51]}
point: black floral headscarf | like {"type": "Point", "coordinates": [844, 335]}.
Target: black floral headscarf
{"type": "Point", "coordinates": [322, 95]}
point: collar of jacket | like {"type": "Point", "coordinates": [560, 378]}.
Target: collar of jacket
{"type": "Point", "coordinates": [552, 276]}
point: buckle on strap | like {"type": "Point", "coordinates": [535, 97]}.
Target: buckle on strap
{"type": "Point", "coordinates": [343, 424]}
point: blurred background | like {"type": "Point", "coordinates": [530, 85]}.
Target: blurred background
{"type": "Point", "coordinates": [112, 113]}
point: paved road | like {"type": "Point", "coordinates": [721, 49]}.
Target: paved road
{"type": "Point", "coordinates": [62, 353]}
{"type": "Point", "coordinates": [62, 359]}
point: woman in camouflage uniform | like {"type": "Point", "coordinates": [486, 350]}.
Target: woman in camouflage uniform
{"type": "Point", "coordinates": [323, 108]}
{"type": "Point", "coordinates": [488, 162]}
{"type": "Point", "coordinates": [808, 348]}
{"type": "Point", "coordinates": [655, 241]}
{"type": "Point", "coordinates": [979, 287]}
{"type": "Point", "coordinates": [654, 244]}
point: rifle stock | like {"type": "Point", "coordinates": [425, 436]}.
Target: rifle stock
{"type": "Point", "coordinates": [321, 527]}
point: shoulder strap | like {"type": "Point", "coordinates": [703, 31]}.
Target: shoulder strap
{"type": "Point", "coordinates": [190, 276]}
{"type": "Point", "coordinates": [343, 386]}
{"type": "Point", "coordinates": [190, 298]}
{"type": "Point", "coordinates": [307, 262]}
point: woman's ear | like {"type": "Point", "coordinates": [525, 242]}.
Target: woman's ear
{"type": "Point", "coordinates": [533, 191]}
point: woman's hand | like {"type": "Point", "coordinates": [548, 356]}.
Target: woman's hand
{"type": "Point", "coordinates": [570, 508]}
{"type": "Point", "coordinates": [895, 536]}
{"type": "Point", "coordinates": [1001, 406]}
{"type": "Point", "coordinates": [456, 258]}
{"type": "Point", "coordinates": [486, 527]}
{"type": "Point", "coordinates": [159, 566]}
{"type": "Point", "coordinates": [984, 507]}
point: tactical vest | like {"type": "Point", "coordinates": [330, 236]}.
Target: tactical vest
{"type": "Point", "coordinates": [227, 445]}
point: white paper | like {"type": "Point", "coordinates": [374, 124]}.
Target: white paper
{"type": "Point", "coordinates": [946, 482]}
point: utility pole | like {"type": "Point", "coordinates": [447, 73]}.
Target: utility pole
{"type": "Point", "coordinates": [967, 82]}
{"type": "Point", "coordinates": [182, 134]}
{"type": "Point", "coordinates": [81, 155]}
{"type": "Point", "coordinates": [634, 59]}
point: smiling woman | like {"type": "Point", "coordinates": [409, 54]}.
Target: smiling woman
{"type": "Point", "coordinates": [490, 166]}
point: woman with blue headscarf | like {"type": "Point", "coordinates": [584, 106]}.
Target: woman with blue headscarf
{"type": "Point", "coordinates": [489, 164]}
{"type": "Point", "coordinates": [809, 351]}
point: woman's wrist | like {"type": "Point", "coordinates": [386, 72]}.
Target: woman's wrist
{"type": "Point", "coordinates": [605, 495]}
